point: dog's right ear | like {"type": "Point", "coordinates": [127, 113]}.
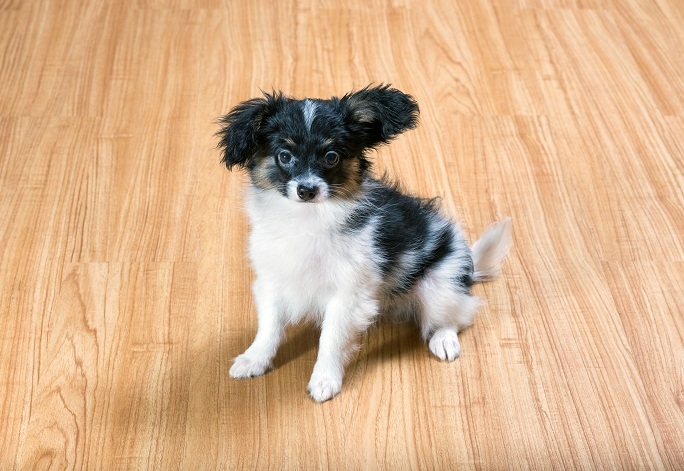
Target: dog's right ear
{"type": "Point", "coordinates": [239, 131]}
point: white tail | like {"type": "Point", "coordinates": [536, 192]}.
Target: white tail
{"type": "Point", "coordinates": [490, 249]}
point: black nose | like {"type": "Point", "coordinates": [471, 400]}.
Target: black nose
{"type": "Point", "coordinates": [306, 192]}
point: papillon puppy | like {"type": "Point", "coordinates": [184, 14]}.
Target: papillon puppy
{"type": "Point", "coordinates": [330, 242]}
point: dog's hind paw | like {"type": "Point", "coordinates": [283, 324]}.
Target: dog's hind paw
{"type": "Point", "coordinates": [444, 344]}
{"type": "Point", "coordinates": [246, 367]}
{"type": "Point", "coordinates": [323, 389]}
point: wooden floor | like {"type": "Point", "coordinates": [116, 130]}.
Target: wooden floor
{"type": "Point", "coordinates": [125, 292]}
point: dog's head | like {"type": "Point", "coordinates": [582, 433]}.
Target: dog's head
{"type": "Point", "coordinates": [310, 150]}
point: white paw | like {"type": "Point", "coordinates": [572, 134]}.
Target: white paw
{"type": "Point", "coordinates": [245, 366]}
{"type": "Point", "coordinates": [444, 344]}
{"type": "Point", "coordinates": [322, 389]}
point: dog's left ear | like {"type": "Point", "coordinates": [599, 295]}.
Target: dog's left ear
{"type": "Point", "coordinates": [378, 114]}
{"type": "Point", "coordinates": [239, 131]}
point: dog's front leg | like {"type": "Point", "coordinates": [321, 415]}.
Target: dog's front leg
{"type": "Point", "coordinates": [257, 359]}
{"type": "Point", "coordinates": [345, 319]}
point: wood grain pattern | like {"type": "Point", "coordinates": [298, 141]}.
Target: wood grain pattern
{"type": "Point", "coordinates": [125, 290]}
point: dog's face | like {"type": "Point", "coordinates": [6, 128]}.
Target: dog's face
{"type": "Point", "coordinates": [311, 150]}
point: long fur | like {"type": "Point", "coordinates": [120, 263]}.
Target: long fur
{"type": "Point", "coordinates": [331, 243]}
{"type": "Point", "coordinates": [490, 250]}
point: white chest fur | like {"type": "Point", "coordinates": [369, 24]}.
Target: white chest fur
{"type": "Point", "coordinates": [301, 252]}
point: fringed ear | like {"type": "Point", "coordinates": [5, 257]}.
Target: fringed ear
{"type": "Point", "coordinates": [239, 131]}
{"type": "Point", "coordinates": [378, 114]}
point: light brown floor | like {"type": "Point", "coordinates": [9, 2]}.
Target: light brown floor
{"type": "Point", "coordinates": [125, 290]}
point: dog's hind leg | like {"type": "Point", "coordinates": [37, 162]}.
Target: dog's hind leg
{"type": "Point", "coordinates": [444, 309]}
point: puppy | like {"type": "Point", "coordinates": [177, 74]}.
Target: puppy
{"type": "Point", "coordinates": [331, 243]}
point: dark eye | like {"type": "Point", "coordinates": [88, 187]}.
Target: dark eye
{"type": "Point", "coordinates": [331, 159]}
{"type": "Point", "coordinates": [284, 157]}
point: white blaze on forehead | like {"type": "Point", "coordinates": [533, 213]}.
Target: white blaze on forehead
{"type": "Point", "coordinates": [309, 113]}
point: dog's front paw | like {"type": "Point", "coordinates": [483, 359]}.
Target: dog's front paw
{"type": "Point", "coordinates": [245, 366]}
{"type": "Point", "coordinates": [323, 388]}
{"type": "Point", "coordinates": [444, 344]}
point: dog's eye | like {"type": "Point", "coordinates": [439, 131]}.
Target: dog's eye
{"type": "Point", "coordinates": [331, 159]}
{"type": "Point", "coordinates": [284, 157]}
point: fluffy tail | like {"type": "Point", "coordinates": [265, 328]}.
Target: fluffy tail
{"type": "Point", "coordinates": [490, 249]}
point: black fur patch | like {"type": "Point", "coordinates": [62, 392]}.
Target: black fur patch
{"type": "Point", "coordinates": [404, 225]}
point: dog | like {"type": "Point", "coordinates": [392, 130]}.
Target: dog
{"type": "Point", "coordinates": [331, 243]}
